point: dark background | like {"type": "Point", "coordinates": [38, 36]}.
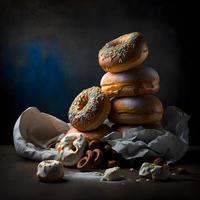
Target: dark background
{"type": "Point", "coordinates": [48, 52]}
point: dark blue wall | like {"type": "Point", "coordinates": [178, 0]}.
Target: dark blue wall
{"type": "Point", "coordinates": [49, 52]}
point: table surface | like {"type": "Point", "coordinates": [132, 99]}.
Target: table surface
{"type": "Point", "coordinates": [18, 181]}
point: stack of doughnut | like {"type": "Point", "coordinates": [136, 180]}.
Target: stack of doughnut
{"type": "Point", "coordinates": [125, 98]}
{"type": "Point", "coordinates": [129, 84]}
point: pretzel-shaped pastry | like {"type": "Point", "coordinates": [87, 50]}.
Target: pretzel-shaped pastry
{"type": "Point", "coordinates": [85, 163]}
{"type": "Point", "coordinates": [91, 160]}
{"type": "Point", "coordinates": [98, 157]}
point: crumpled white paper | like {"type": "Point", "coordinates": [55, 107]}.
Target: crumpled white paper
{"type": "Point", "coordinates": [171, 142]}
{"type": "Point", "coordinates": [27, 149]}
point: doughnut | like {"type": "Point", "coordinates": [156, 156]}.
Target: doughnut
{"type": "Point", "coordinates": [89, 109]}
{"type": "Point", "coordinates": [136, 110]}
{"type": "Point", "coordinates": [96, 134]}
{"type": "Point", "coordinates": [123, 128]}
{"type": "Point", "coordinates": [137, 81]}
{"type": "Point", "coordinates": [50, 170]}
{"type": "Point", "coordinates": [71, 148]}
{"type": "Point", "coordinates": [123, 53]}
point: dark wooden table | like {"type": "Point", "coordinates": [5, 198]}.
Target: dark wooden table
{"type": "Point", "coordinates": [18, 181]}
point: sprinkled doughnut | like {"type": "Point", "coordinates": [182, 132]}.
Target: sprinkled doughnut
{"type": "Point", "coordinates": [50, 170]}
{"type": "Point", "coordinates": [89, 109]}
{"type": "Point", "coordinates": [123, 53]}
{"type": "Point", "coordinates": [71, 148]}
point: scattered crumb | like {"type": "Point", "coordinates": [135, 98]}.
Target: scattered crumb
{"type": "Point", "coordinates": [138, 180]}
{"type": "Point", "coordinates": [149, 170]}
{"type": "Point", "coordinates": [112, 174]}
{"type": "Point", "coordinates": [131, 169]}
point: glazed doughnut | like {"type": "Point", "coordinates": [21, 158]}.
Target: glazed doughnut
{"type": "Point", "coordinates": [123, 53]}
{"type": "Point", "coordinates": [89, 109]}
{"type": "Point", "coordinates": [136, 110]}
{"type": "Point", "coordinates": [96, 134]}
{"type": "Point", "coordinates": [123, 128]}
{"type": "Point", "coordinates": [50, 170]}
{"type": "Point", "coordinates": [71, 148]}
{"type": "Point", "coordinates": [138, 81]}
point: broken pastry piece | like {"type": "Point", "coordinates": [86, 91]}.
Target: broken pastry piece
{"type": "Point", "coordinates": [112, 174]}
{"type": "Point", "coordinates": [71, 148]}
{"type": "Point", "coordinates": [50, 171]}
{"type": "Point", "coordinates": [156, 172]}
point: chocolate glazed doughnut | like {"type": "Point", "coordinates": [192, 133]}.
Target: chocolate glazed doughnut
{"type": "Point", "coordinates": [123, 53]}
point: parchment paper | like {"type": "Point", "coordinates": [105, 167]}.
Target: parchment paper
{"type": "Point", "coordinates": [170, 142]}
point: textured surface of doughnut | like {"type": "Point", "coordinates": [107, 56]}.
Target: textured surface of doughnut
{"type": "Point", "coordinates": [134, 82]}
{"type": "Point", "coordinates": [89, 109]}
{"type": "Point", "coordinates": [71, 148]}
{"type": "Point", "coordinates": [97, 134]}
{"type": "Point", "coordinates": [124, 128]}
{"type": "Point", "coordinates": [123, 53]}
{"type": "Point", "coordinates": [50, 170]}
{"type": "Point", "coordinates": [136, 110]}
